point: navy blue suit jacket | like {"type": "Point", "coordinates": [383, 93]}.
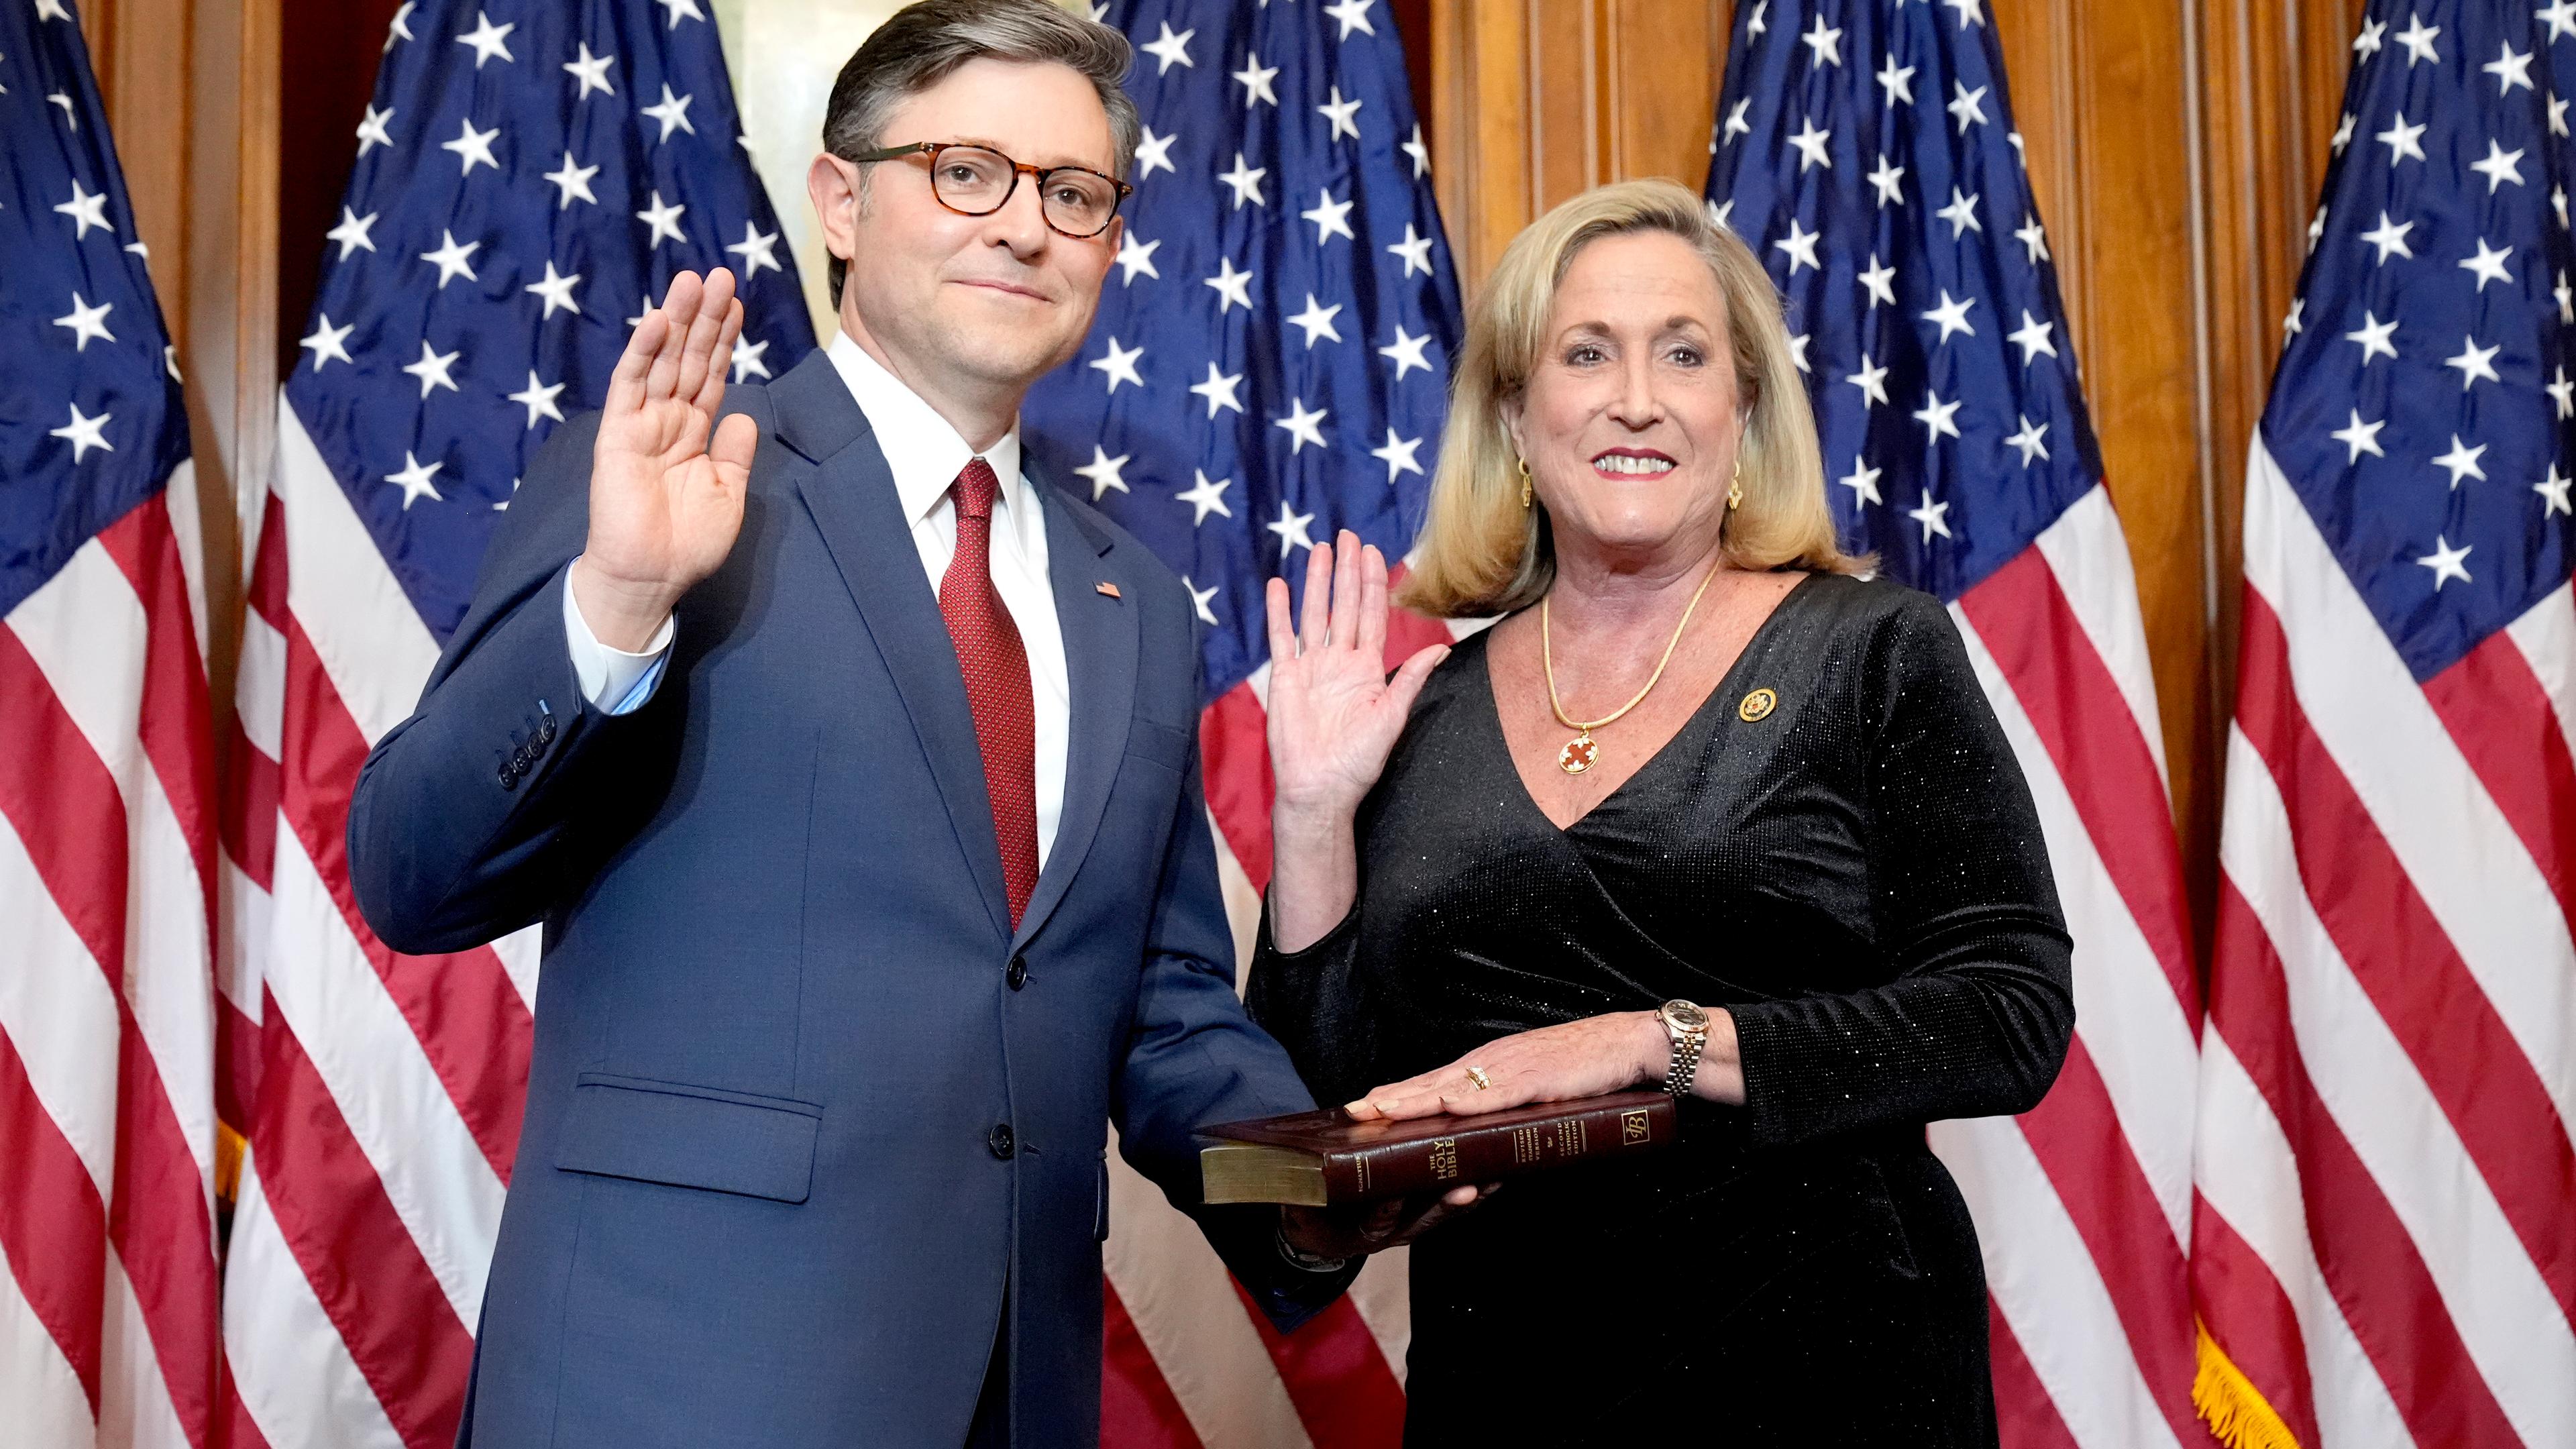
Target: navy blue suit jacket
{"type": "Point", "coordinates": [805, 1113]}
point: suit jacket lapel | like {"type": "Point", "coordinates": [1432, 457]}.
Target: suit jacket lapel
{"type": "Point", "coordinates": [850, 494]}
{"type": "Point", "coordinates": [1101, 636]}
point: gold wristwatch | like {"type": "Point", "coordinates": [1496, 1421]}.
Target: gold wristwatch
{"type": "Point", "coordinates": [1687, 1025]}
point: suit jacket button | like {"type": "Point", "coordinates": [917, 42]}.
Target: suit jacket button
{"type": "Point", "coordinates": [510, 776]}
{"type": "Point", "coordinates": [1018, 974]}
{"type": "Point", "coordinates": [999, 1139]}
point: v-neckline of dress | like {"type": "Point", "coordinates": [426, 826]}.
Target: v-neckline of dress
{"type": "Point", "coordinates": [1493, 718]}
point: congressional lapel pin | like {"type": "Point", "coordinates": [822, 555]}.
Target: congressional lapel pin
{"type": "Point", "coordinates": [1106, 587]}
{"type": "Point", "coordinates": [1757, 706]}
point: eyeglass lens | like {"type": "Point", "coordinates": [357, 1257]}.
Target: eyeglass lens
{"type": "Point", "coordinates": [973, 180]}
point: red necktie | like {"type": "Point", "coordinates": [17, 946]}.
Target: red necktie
{"type": "Point", "coordinates": [997, 682]}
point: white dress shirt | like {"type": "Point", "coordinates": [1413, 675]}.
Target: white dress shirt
{"type": "Point", "coordinates": [926, 455]}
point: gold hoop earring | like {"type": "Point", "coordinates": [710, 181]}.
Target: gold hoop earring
{"type": "Point", "coordinates": [1735, 488]}
{"type": "Point", "coordinates": [1525, 482]}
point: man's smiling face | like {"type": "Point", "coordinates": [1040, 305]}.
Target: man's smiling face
{"type": "Point", "coordinates": [980, 301]}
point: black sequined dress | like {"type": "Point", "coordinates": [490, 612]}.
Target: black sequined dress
{"type": "Point", "coordinates": [1858, 877]}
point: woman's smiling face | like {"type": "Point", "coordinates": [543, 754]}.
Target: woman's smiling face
{"type": "Point", "coordinates": [1630, 419]}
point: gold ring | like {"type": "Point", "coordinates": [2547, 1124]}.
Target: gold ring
{"type": "Point", "coordinates": [1477, 1076]}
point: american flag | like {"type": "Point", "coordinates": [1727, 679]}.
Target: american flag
{"type": "Point", "coordinates": [2386, 1228]}
{"type": "Point", "coordinates": [528, 175]}
{"type": "Point", "coordinates": [1270, 364]}
{"type": "Point", "coordinates": [107, 837]}
{"type": "Point", "coordinates": [1866, 149]}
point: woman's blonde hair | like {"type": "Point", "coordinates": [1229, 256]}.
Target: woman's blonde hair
{"type": "Point", "coordinates": [1482, 552]}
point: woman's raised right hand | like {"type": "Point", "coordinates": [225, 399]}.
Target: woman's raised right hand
{"type": "Point", "coordinates": [1334, 712]}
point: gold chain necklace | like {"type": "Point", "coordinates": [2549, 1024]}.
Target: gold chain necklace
{"type": "Point", "coordinates": [1582, 752]}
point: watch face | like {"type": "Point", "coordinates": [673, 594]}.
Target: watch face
{"type": "Point", "coordinates": [1685, 1017]}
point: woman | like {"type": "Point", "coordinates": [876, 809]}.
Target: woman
{"type": "Point", "coordinates": [1704, 810]}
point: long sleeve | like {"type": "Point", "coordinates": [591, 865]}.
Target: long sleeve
{"type": "Point", "coordinates": [1317, 1003]}
{"type": "Point", "coordinates": [613, 681]}
{"type": "Point", "coordinates": [1977, 1018]}
{"type": "Point", "coordinates": [474, 816]}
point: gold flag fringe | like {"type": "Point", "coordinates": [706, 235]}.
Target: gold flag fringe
{"type": "Point", "coordinates": [2229, 1403]}
{"type": "Point", "coordinates": [229, 1147]}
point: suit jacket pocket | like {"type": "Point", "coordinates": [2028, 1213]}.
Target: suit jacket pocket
{"type": "Point", "coordinates": [687, 1136]}
{"type": "Point", "coordinates": [1159, 743]}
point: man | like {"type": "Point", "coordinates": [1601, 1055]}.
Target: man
{"type": "Point", "coordinates": [853, 774]}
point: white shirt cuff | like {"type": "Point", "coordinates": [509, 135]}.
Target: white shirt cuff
{"type": "Point", "coordinates": [613, 680]}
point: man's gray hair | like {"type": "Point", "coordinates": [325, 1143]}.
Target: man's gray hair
{"type": "Point", "coordinates": [922, 44]}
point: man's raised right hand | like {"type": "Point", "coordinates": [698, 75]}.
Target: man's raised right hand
{"type": "Point", "coordinates": [665, 495]}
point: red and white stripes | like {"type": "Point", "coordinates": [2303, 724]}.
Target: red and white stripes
{"type": "Point", "coordinates": [381, 1090]}
{"type": "Point", "coordinates": [2082, 1206]}
{"type": "Point", "coordinates": [107, 1112]}
{"type": "Point", "coordinates": [2385, 1172]}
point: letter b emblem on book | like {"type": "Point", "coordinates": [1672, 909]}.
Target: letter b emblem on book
{"type": "Point", "coordinates": [1633, 1129]}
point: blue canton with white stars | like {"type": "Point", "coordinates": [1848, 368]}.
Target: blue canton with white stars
{"type": "Point", "coordinates": [1865, 150]}
{"type": "Point", "coordinates": [1271, 358]}
{"type": "Point", "coordinates": [91, 423]}
{"type": "Point", "coordinates": [530, 176]}
{"type": "Point", "coordinates": [2422, 404]}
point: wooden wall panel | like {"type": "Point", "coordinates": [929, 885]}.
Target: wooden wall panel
{"type": "Point", "coordinates": [2102, 97]}
{"type": "Point", "coordinates": [2272, 89]}
{"type": "Point", "coordinates": [1562, 72]}
{"type": "Point", "coordinates": [2040, 71]}
{"type": "Point", "coordinates": [1659, 67]}
{"type": "Point", "coordinates": [1480, 107]}
{"type": "Point", "coordinates": [328, 53]}
{"type": "Point", "coordinates": [132, 49]}
{"type": "Point", "coordinates": [1535, 100]}
{"type": "Point", "coordinates": [191, 89]}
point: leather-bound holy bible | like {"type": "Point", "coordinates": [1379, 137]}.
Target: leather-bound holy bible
{"type": "Point", "coordinates": [1323, 1159]}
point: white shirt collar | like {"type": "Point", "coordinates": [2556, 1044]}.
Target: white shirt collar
{"type": "Point", "coordinates": [924, 451]}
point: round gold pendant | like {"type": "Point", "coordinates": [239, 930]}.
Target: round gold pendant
{"type": "Point", "coordinates": [1578, 754]}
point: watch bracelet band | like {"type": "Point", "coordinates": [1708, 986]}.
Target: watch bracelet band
{"type": "Point", "coordinates": [1303, 1261]}
{"type": "Point", "coordinates": [1686, 1049]}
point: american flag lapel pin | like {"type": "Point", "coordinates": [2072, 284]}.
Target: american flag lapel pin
{"type": "Point", "coordinates": [1106, 587]}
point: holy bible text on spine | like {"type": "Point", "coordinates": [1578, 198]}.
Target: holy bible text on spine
{"type": "Point", "coordinates": [1318, 1159]}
